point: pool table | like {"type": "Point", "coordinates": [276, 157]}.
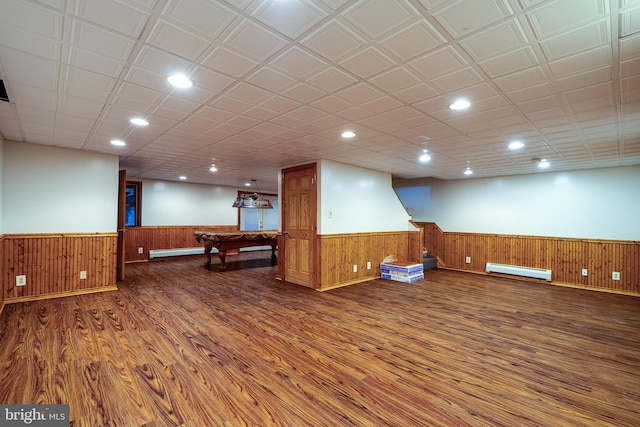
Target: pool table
{"type": "Point", "coordinates": [224, 241]}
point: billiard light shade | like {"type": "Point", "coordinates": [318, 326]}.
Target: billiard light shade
{"type": "Point", "coordinates": [254, 201]}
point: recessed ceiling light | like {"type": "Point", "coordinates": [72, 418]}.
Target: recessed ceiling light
{"type": "Point", "coordinates": [515, 145]}
{"type": "Point", "coordinates": [118, 142]}
{"type": "Point", "coordinates": [182, 177]}
{"type": "Point", "coordinates": [180, 80]}
{"type": "Point", "coordinates": [544, 163]}
{"type": "Point", "coordinates": [348, 134]}
{"type": "Point", "coordinates": [247, 184]}
{"type": "Point", "coordinates": [424, 157]}
{"type": "Point", "coordinates": [213, 168]}
{"type": "Point", "coordinates": [468, 171]}
{"type": "Point", "coordinates": [460, 104]}
{"type": "Point", "coordinates": [139, 121]}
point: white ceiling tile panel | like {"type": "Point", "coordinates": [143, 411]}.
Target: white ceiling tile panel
{"type": "Point", "coordinates": [457, 80]}
{"type": "Point", "coordinates": [581, 39]}
{"type": "Point", "coordinates": [32, 18]}
{"type": "Point", "coordinates": [261, 113]}
{"type": "Point", "coordinates": [248, 93]}
{"type": "Point", "coordinates": [209, 19]}
{"type": "Point", "coordinates": [254, 41]}
{"type": "Point", "coordinates": [441, 62]}
{"type": "Point", "coordinates": [511, 62]}
{"type": "Point", "coordinates": [303, 93]}
{"type": "Point", "coordinates": [88, 85]}
{"type": "Point", "coordinates": [30, 42]}
{"type": "Point", "coordinates": [521, 79]}
{"type": "Point", "coordinates": [630, 20]}
{"type": "Point", "coordinates": [381, 105]}
{"type": "Point", "coordinates": [593, 59]}
{"type": "Point", "coordinates": [376, 18]}
{"type": "Point", "coordinates": [297, 63]}
{"type": "Point", "coordinates": [291, 18]}
{"type": "Point", "coordinates": [495, 41]}
{"type": "Point", "coordinates": [465, 16]}
{"type": "Point", "coordinates": [586, 78]}
{"type": "Point", "coordinates": [228, 62]}
{"type": "Point", "coordinates": [271, 80]}
{"type": "Point", "coordinates": [414, 40]}
{"type": "Point", "coordinates": [367, 62]}
{"type": "Point", "coordinates": [331, 79]}
{"type": "Point", "coordinates": [159, 62]}
{"type": "Point", "coordinates": [94, 61]}
{"type": "Point", "coordinates": [359, 94]}
{"type": "Point", "coordinates": [96, 40]}
{"type": "Point", "coordinates": [119, 17]}
{"type": "Point", "coordinates": [530, 92]}
{"type": "Point", "coordinates": [629, 47]}
{"type": "Point", "coordinates": [396, 79]}
{"type": "Point", "coordinates": [80, 107]}
{"type": "Point", "coordinates": [416, 93]}
{"type": "Point", "coordinates": [331, 104]}
{"type": "Point", "coordinates": [34, 97]}
{"type": "Point", "coordinates": [630, 68]}
{"type": "Point", "coordinates": [174, 39]}
{"type": "Point", "coordinates": [334, 41]}
{"type": "Point", "coordinates": [29, 69]}
{"type": "Point", "coordinates": [280, 104]}
{"type": "Point", "coordinates": [559, 16]}
{"type": "Point", "coordinates": [139, 93]}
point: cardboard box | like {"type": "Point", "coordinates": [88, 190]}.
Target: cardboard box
{"type": "Point", "coordinates": [402, 267]}
{"type": "Point", "coordinates": [401, 277]}
{"type": "Point", "coordinates": [402, 271]}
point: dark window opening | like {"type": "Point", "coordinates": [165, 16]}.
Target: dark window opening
{"type": "Point", "coordinates": [133, 193]}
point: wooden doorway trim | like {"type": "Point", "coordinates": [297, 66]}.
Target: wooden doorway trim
{"type": "Point", "coordinates": [122, 201]}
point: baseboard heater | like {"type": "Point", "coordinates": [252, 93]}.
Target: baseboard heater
{"type": "Point", "coordinates": [161, 253]}
{"type": "Point", "coordinates": [537, 273]}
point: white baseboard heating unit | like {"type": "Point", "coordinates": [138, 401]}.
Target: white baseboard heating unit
{"type": "Point", "coordinates": [537, 273]}
{"type": "Point", "coordinates": [161, 253]}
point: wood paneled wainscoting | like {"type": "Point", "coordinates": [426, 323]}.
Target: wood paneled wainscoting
{"type": "Point", "coordinates": [338, 253]}
{"type": "Point", "coordinates": [164, 237]}
{"type": "Point", "coordinates": [566, 257]}
{"type": "Point", "coordinates": [3, 271]}
{"type": "Point", "coordinates": [52, 264]}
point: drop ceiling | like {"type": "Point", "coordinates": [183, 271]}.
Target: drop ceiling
{"type": "Point", "coordinates": [277, 81]}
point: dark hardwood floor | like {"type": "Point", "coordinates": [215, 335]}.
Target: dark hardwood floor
{"type": "Point", "coordinates": [179, 344]}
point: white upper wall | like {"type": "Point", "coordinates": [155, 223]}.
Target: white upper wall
{"type": "Point", "coordinates": [357, 200]}
{"type": "Point", "coordinates": [182, 203]}
{"type": "Point", "coordinates": [596, 204]}
{"type": "Point", "coordinates": [58, 190]}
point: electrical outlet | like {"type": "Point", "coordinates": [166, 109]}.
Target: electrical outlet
{"type": "Point", "coordinates": [468, 260]}
{"type": "Point", "coordinates": [355, 268]}
{"type": "Point", "coordinates": [140, 250]}
{"type": "Point", "coordinates": [83, 275]}
{"type": "Point", "coordinates": [368, 265]}
{"type": "Point", "coordinates": [585, 272]}
{"type": "Point", "coordinates": [21, 280]}
{"type": "Point", "coordinates": [615, 275]}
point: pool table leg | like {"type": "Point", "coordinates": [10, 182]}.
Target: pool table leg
{"type": "Point", "coordinates": [207, 252]}
{"type": "Point", "coordinates": [222, 253]}
{"type": "Point", "coordinates": [273, 253]}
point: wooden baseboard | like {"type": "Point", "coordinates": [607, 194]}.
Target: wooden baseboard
{"type": "Point", "coordinates": [351, 282]}
{"type": "Point", "coordinates": [61, 295]}
{"type": "Point", "coordinates": [544, 282]}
